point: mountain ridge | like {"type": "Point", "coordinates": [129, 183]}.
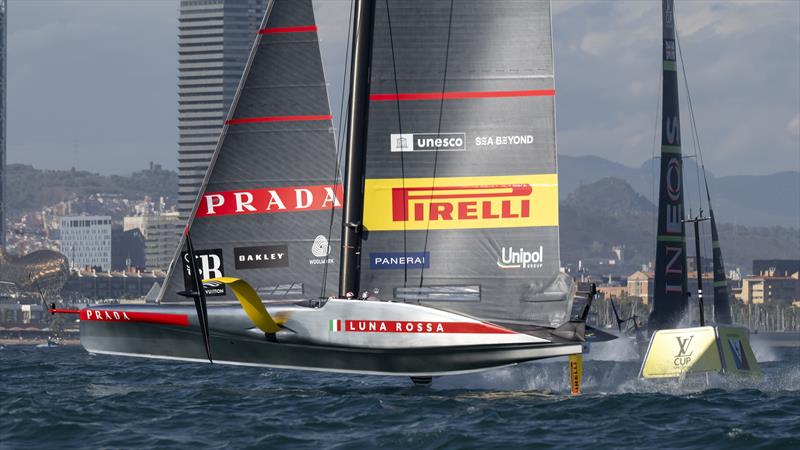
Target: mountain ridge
{"type": "Point", "coordinates": [751, 200]}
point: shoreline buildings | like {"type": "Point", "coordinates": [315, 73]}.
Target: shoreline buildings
{"type": "Point", "coordinates": [214, 41]}
{"type": "Point", "coordinates": [161, 233]}
{"type": "Point", "coordinates": [86, 241]}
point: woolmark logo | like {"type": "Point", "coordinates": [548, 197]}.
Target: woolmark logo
{"type": "Point", "coordinates": [321, 249]}
{"type": "Point", "coordinates": [428, 142]}
{"type": "Point", "coordinates": [520, 258]}
{"type": "Point", "coordinates": [399, 260]}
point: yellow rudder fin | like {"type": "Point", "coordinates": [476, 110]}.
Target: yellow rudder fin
{"type": "Point", "coordinates": [575, 373]}
{"type": "Point", "coordinates": [251, 303]}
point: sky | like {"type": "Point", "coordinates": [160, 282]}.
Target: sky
{"type": "Point", "coordinates": [92, 84]}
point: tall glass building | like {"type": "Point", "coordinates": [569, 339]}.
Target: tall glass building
{"type": "Point", "coordinates": [3, 35]}
{"type": "Point", "coordinates": [214, 40]}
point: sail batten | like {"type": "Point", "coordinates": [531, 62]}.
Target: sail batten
{"type": "Point", "coordinates": [295, 29]}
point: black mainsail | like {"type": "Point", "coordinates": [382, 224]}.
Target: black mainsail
{"type": "Point", "coordinates": [670, 291]}
{"type": "Point", "coordinates": [266, 209]}
{"type": "Point", "coordinates": [722, 304]}
{"type": "Point", "coordinates": [461, 185]}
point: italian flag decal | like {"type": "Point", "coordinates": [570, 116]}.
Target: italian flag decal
{"type": "Point", "coordinates": [335, 326]}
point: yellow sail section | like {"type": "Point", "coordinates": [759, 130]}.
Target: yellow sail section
{"type": "Point", "coordinates": [251, 303]}
{"type": "Point", "coordinates": [461, 202]}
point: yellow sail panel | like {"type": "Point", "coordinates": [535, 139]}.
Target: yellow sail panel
{"type": "Point", "coordinates": [677, 352]}
{"type": "Point", "coordinates": [461, 202]}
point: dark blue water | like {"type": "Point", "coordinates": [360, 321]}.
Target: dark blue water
{"type": "Point", "coordinates": [65, 398]}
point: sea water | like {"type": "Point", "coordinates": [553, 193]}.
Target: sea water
{"type": "Point", "coordinates": [66, 398]}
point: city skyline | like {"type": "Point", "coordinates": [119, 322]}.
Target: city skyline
{"type": "Point", "coordinates": [743, 63]}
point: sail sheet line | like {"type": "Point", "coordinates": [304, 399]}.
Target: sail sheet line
{"type": "Point", "coordinates": [443, 94]}
{"type": "Point", "coordinates": [400, 129]}
{"type": "Point", "coordinates": [241, 131]}
{"type": "Point", "coordinates": [244, 120]}
{"type": "Point", "coordinates": [722, 308]}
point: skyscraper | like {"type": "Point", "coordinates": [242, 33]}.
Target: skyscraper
{"type": "Point", "coordinates": [3, 35]}
{"type": "Point", "coordinates": [214, 41]}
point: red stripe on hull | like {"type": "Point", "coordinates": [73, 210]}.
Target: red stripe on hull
{"type": "Point", "coordinates": [110, 315]}
{"type": "Point", "coordinates": [393, 326]}
{"type": "Point", "coordinates": [461, 95]}
{"type": "Point", "coordinates": [277, 119]}
{"type": "Point", "coordinates": [281, 30]}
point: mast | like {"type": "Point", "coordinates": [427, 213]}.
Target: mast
{"type": "Point", "coordinates": [698, 265]}
{"type": "Point", "coordinates": [356, 146]}
{"type": "Point", "coordinates": [670, 294]}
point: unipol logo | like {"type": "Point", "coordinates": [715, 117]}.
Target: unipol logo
{"type": "Point", "coordinates": [684, 356]}
{"type": "Point", "coordinates": [270, 200]}
{"type": "Point", "coordinates": [520, 258]}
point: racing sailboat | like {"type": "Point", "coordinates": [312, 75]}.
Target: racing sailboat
{"type": "Point", "coordinates": [447, 217]}
{"type": "Point", "coordinates": [676, 351]}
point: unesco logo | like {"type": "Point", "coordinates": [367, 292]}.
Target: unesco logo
{"type": "Point", "coordinates": [428, 142]}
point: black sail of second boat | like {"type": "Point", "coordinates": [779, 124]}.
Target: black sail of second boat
{"type": "Point", "coordinates": [269, 209]}
{"type": "Point", "coordinates": [461, 185]}
{"type": "Point", "coordinates": [670, 290]}
{"type": "Point", "coordinates": [722, 303]}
